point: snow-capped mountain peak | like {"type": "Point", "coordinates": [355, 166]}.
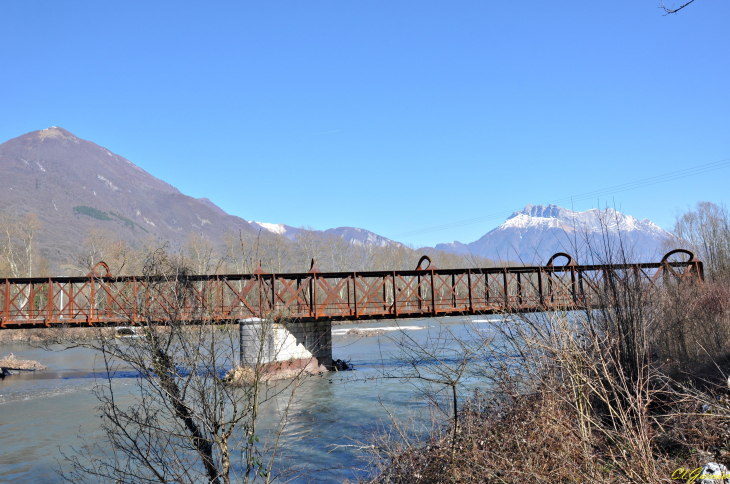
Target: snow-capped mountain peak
{"type": "Point", "coordinates": [280, 229]}
{"type": "Point", "coordinates": [539, 231]}
{"type": "Point", "coordinates": [593, 220]}
{"type": "Point", "coordinates": [353, 235]}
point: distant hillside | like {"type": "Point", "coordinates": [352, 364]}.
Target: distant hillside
{"type": "Point", "coordinates": [351, 234]}
{"type": "Point", "coordinates": [73, 185]}
{"type": "Point", "coordinates": [537, 232]}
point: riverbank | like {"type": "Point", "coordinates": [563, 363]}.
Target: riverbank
{"type": "Point", "coordinates": [43, 411]}
{"type": "Point", "coordinates": [537, 437]}
{"type": "Point", "coordinates": [633, 391]}
{"type": "Point", "coordinates": [41, 336]}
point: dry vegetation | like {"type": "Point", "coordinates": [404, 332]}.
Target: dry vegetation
{"type": "Point", "coordinates": [631, 392]}
{"type": "Point", "coordinates": [11, 362]}
{"type": "Point", "coordinates": [47, 336]}
{"type": "Point", "coordinates": [18, 237]}
{"type": "Point", "coordinates": [240, 254]}
{"type": "Point", "coordinates": [190, 418]}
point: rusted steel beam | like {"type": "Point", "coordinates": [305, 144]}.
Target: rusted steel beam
{"type": "Point", "coordinates": [469, 286]}
{"type": "Point", "coordinates": [317, 295]}
{"type": "Point", "coordinates": [6, 309]}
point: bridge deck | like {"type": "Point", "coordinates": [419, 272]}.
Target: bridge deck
{"type": "Point", "coordinates": [105, 300]}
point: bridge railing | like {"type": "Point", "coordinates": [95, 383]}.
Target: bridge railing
{"type": "Point", "coordinates": [314, 295]}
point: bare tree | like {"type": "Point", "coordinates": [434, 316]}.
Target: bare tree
{"type": "Point", "coordinates": [340, 253]}
{"type": "Point", "coordinates": [310, 244]}
{"type": "Point", "coordinates": [200, 252]}
{"type": "Point", "coordinates": [568, 395]}
{"type": "Point", "coordinates": [437, 366]}
{"type": "Point", "coordinates": [190, 417]}
{"type": "Point", "coordinates": [276, 252]}
{"type": "Point", "coordinates": [102, 245]}
{"type": "Point", "coordinates": [706, 231]}
{"type": "Point", "coordinates": [16, 245]}
{"type": "Point", "coordinates": [241, 252]}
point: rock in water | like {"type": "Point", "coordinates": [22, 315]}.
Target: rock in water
{"type": "Point", "coordinates": [10, 363]}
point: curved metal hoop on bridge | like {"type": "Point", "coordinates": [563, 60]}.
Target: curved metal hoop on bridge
{"type": "Point", "coordinates": [430, 265]}
{"type": "Point", "coordinates": [324, 296]}
{"type": "Point", "coordinates": [95, 273]}
{"type": "Point", "coordinates": [679, 251]}
{"type": "Point", "coordinates": [667, 266]}
{"type": "Point", "coordinates": [571, 261]}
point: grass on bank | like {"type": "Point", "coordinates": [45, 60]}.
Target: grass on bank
{"type": "Point", "coordinates": [635, 392]}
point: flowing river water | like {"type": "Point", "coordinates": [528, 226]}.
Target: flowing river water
{"type": "Point", "coordinates": [43, 414]}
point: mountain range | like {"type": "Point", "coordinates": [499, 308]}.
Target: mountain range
{"type": "Point", "coordinates": [534, 234]}
{"type": "Point", "coordinates": [351, 234]}
{"type": "Point", "coordinates": [73, 185]}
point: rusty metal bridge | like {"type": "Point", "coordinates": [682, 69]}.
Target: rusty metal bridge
{"type": "Point", "coordinates": [424, 292]}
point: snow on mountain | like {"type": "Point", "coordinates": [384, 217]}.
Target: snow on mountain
{"type": "Point", "coordinates": [351, 234]}
{"type": "Point", "coordinates": [280, 229]}
{"type": "Point", "coordinates": [539, 231]}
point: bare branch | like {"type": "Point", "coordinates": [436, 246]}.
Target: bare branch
{"type": "Point", "coordinates": [672, 9]}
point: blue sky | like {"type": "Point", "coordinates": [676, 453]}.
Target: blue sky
{"type": "Point", "coordinates": [391, 116]}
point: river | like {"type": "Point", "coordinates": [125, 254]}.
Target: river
{"type": "Point", "coordinates": [43, 414]}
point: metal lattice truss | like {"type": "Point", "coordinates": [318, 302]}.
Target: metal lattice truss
{"type": "Point", "coordinates": [424, 292]}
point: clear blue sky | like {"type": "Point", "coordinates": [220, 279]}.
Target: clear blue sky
{"type": "Point", "coordinates": [392, 116]}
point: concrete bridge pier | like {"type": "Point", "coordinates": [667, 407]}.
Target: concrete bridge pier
{"type": "Point", "coordinates": [286, 348]}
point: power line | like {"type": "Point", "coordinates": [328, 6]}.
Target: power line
{"type": "Point", "coordinates": [675, 175]}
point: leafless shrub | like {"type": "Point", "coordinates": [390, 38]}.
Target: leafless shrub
{"type": "Point", "coordinates": [437, 367]}
{"type": "Point", "coordinates": [706, 231]}
{"type": "Point", "coordinates": [12, 362]}
{"type": "Point", "coordinates": [561, 408]}
{"type": "Point", "coordinates": [570, 396]}
{"type": "Point", "coordinates": [690, 332]}
{"type": "Point", "coordinates": [18, 255]}
{"type": "Point", "coordinates": [184, 421]}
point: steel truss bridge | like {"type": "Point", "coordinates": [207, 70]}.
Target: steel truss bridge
{"type": "Point", "coordinates": [98, 299]}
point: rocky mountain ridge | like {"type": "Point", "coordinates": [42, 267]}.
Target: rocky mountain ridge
{"type": "Point", "coordinates": [537, 232]}
{"type": "Point", "coordinates": [353, 235]}
{"type": "Point", "coordinates": [74, 185]}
